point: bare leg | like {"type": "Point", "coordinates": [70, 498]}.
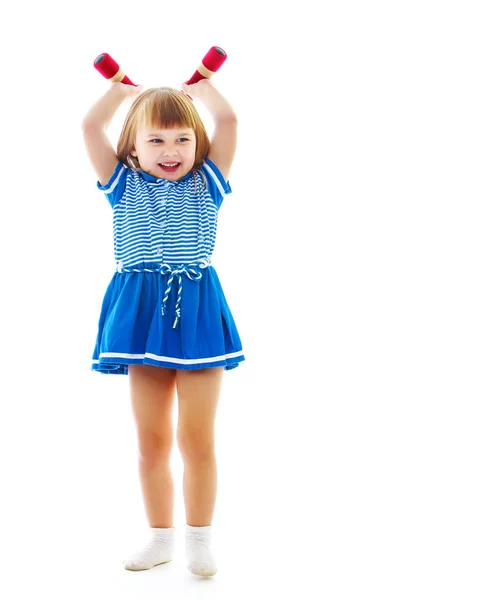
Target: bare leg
{"type": "Point", "coordinates": [152, 395]}
{"type": "Point", "coordinates": [198, 395]}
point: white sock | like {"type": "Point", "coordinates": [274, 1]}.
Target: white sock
{"type": "Point", "coordinates": [198, 550]}
{"type": "Point", "coordinates": [158, 550]}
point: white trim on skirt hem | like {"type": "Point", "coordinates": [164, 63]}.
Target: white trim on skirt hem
{"type": "Point", "coordinates": [181, 361]}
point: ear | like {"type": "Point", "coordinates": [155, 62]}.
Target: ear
{"type": "Point", "coordinates": [133, 153]}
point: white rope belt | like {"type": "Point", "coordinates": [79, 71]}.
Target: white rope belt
{"type": "Point", "coordinates": [192, 271]}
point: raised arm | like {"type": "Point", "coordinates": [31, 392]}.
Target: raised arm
{"type": "Point", "coordinates": [95, 123]}
{"type": "Point", "coordinates": [224, 137]}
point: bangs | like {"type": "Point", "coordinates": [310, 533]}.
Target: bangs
{"type": "Point", "coordinates": [165, 110]}
{"type": "Point", "coordinates": [162, 108]}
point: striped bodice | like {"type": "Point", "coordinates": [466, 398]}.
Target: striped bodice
{"type": "Point", "coordinates": [156, 220]}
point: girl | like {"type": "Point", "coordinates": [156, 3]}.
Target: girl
{"type": "Point", "coordinates": [164, 320]}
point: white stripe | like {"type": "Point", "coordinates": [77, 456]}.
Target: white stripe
{"type": "Point", "coordinates": [114, 184]}
{"type": "Point", "coordinates": [181, 361]}
{"type": "Point", "coordinates": [143, 228]}
{"type": "Point", "coordinates": [213, 174]}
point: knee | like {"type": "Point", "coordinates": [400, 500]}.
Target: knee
{"type": "Point", "coordinates": [154, 449]}
{"type": "Point", "coordinates": [195, 447]}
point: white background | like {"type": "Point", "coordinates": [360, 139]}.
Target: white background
{"type": "Point", "coordinates": [348, 251]}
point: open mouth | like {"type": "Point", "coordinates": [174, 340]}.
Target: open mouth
{"type": "Point", "coordinates": [169, 167]}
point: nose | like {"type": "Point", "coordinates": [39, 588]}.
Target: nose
{"type": "Point", "coordinates": [169, 150]}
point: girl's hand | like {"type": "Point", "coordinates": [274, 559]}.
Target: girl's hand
{"type": "Point", "coordinates": [195, 89]}
{"type": "Point", "coordinates": [126, 90]}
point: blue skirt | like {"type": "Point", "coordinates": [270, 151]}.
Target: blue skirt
{"type": "Point", "coordinates": [154, 318]}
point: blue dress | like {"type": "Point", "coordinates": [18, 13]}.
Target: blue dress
{"type": "Point", "coordinates": [164, 305]}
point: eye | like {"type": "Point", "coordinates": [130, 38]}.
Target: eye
{"type": "Point", "coordinates": [185, 139]}
{"type": "Point", "coordinates": [156, 140]}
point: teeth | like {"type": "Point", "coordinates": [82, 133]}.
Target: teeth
{"type": "Point", "coordinates": [169, 164]}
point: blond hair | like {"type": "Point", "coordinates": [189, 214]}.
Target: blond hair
{"type": "Point", "coordinates": [162, 107]}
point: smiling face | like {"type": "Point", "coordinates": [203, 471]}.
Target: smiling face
{"type": "Point", "coordinates": [166, 153]}
{"type": "Point", "coordinates": [163, 126]}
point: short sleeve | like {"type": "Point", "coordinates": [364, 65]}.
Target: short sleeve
{"type": "Point", "coordinates": [116, 185]}
{"type": "Point", "coordinates": [217, 186]}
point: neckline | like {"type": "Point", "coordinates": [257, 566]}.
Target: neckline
{"type": "Point", "coordinates": [149, 177]}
